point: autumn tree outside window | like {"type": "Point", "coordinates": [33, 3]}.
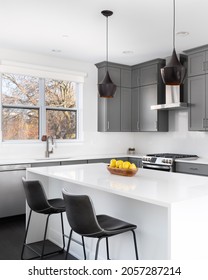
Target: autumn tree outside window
{"type": "Point", "coordinates": [33, 106]}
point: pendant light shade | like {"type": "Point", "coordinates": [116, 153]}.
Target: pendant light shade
{"type": "Point", "coordinates": [174, 72]}
{"type": "Point", "coordinates": [107, 88]}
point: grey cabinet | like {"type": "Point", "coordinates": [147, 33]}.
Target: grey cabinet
{"type": "Point", "coordinates": [198, 88]}
{"type": "Point", "coordinates": [192, 168]}
{"type": "Point", "coordinates": [42, 164]}
{"type": "Point", "coordinates": [137, 161]}
{"type": "Point", "coordinates": [197, 103]}
{"type": "Point", "coordinates": [114, 114]}
{"type": "Point", "coordinates": [109, 113]}
{"type": "Point", "coordinates": [125, 109]}
{"type": "Point", "coordinates": [148, 89]}
{"type": "Point", "coordinates": [135, 109]}
{"type": "Point", "coordinates": [71, 162]}
{"type": "Point", "coordinates": [198, 63]}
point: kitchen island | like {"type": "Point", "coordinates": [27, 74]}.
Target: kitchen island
{"type": "Point", "coordinates": [170, 210]}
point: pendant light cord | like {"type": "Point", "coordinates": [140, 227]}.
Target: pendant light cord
{"type": "Point", "coordinates": [173, 24]}
{"type": "Point", "coordinates": [107, 41]}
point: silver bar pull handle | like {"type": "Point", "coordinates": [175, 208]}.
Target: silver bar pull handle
{"type": "Point", "coordinates": [108, 125]}
{"type": "Point", "coordinates": [137, 125]}
{"type": "Point", "coordinates": [156, 125]}
{"type": "Point", "coordinates": [204, 66]}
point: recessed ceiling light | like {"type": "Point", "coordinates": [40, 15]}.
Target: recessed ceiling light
{"type": "Point", "coordinates": [128, 52]}
{"type": "Point", "coordinates": [182, 33]}
{"type": "Point", "coordinates": [65, 36]}
{"type": "Point", "coordinates": [56, 50]}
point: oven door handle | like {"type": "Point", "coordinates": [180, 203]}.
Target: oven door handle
{"type": "Point", "coordinates": [150, 166]}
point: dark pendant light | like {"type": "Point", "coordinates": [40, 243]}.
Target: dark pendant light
{"type": "Point", "coordinates": [174, 72]}
{"type": "Point", "coordinates": [107, 88]}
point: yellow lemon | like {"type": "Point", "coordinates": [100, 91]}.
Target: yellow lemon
{"type": "Point", "coordinates": [126, 164]}
{"type": "Point", "coordinates": [113, 163]}
{"type": "Point", "coordinates": [119, 162]}
{"type": "Point", "coordinates": [132, 166]}
{"type": "Point", "coordinates": [120, 165]}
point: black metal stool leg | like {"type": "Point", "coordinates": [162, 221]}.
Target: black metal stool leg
{"type": "Point", "coordinates": [107, 249]}
{"type": "Point", "coordinates": [83, 245]}
{"type": "Point", "coordinates": [62, 226]}
{"type": "Point", "coordinates": [135, 245]}
{"type": "Point", "coordinates": [46, 227]}
{"type": "Point", "coordinates": [67, 250]}
{"type": "Point", "coordinates": [26, 232]}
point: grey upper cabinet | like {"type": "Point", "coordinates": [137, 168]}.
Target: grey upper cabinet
{"type": "Point", "coordinates": [148, 75]}
{"type": "Point", "coordinates": [126, 78]}
{"type": "Point", "coordinates": [125, 109]}
{"type": "Point", "coordinates": [197, 105]}
{"type": "Point", "coordinates": [198, 63]}
{"type": "Point", "coordinates": [148, 89]}
{"type": "Point", "coordinates": [109, 113]}
{"type": "Point", "coordinates": [148, 118]}
{"type": "Point", "coordinates": [139, 87]}
{"type": "Point", "coordinates": [114, 114]}
{"type": "Point", "coordinates": [135, 109]}
{"type": "Point", "coordinates": [198, 88]}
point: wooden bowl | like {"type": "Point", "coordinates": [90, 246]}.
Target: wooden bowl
{"type": "Point", "coordinates": [122, 171]}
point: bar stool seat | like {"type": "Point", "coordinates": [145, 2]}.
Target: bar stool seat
{"type": "Point", "coordinates": [38, 202]}
{"type": "Point", "coordinates": [83, 220]}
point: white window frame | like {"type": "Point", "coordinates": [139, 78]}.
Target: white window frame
{"type": "Point", "coordinates": [51, 73]}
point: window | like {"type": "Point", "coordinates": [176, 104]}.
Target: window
{"type": "Point", "coordinates": [33, 106]}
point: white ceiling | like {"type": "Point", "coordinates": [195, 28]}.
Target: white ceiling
{"type": "Point", "coordinates": [76, 29]}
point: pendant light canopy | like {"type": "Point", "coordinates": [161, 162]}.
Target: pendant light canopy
{"type": "Point", "coordinates": [174, 72]}
{"type": "Point", "coordinates": [107, 88]}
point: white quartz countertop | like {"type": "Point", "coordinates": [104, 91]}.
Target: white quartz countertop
{"type": "Point", "coordinates": [199, 160]}
{"type": "Point", "coordinates": [155, 187]}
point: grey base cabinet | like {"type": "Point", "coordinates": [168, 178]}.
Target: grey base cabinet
{"type": "Point", "coordinates": [192, 168]}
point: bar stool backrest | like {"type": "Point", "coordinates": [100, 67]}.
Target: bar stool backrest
{"type": "Point", "coordinates": [35, 195]}
{"type": "Point", "coordinates": [80, 214]}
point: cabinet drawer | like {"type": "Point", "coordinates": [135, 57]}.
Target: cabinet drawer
{"type": "Point", "coordinates": [70, 162]}
{"type": "Point", "coordinates": [191, 168]}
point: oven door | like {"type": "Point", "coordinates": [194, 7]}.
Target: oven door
{"type": "Point", "coordinates": [166, 168]}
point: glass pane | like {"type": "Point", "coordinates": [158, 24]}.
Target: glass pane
{"type": "Point", "coordinates": [60, 93]}
{"type": "Point", "coordinates": [20, 124]}
{"type": "Point", "coordinates": [20, 89]}
{"type": "Point", "coordinates": [62, 124]}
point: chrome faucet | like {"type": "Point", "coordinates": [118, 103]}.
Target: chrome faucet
{"type": "Point", "coordinates": [47, 138]}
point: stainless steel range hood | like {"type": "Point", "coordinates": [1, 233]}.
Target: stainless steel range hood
{"type": "Point", "coordinates": [175, 96]}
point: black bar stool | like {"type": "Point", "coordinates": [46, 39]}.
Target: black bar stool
{"type": "Point", "coordinates": [38, 202]}
{"type": "Point", "coordinates": [83, 220]}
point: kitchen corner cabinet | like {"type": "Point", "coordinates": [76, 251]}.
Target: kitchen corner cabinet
{"type": "Point", "coordinates": [114, 114]}
{"type": "Point", "coordinates": [148, 89]}
{"type": "Point", "coordinates": [198, 88]}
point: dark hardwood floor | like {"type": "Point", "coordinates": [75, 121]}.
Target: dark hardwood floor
{"type": "Point", "coordinates": [12, 231]}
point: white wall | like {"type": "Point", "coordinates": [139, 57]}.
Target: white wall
{"type": "Point", "coordinates": [94, 142]}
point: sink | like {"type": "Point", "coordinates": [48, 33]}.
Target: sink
{"type": "Point", "coordinates": [46, 159]}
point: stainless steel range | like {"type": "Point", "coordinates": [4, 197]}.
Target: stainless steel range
{"type": "Point", "coordinates": [163, 161]}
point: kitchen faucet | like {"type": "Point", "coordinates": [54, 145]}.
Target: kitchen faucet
{"type": "Point", "coordinates": [47, 138]}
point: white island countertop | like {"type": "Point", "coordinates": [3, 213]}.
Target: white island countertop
{"type": "Point", "coordinates": [155, 187]}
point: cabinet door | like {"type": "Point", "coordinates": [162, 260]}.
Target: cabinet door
{"type": "Point", "coordinates": [114, 112]}
{"type": "Point", "coordinates": [135, 78]}
{"type": "Point", "coordinates": [197, 64]}
{"type": "Point", "coordinates": [148, 117]}
{"type": "Point", "coordinates": [125, 78]}
{"type": "Point", "coordinates": [148, 75]}
{"type": "Point", "coordinates": [196, 95]}
{"type": "Point", "coordinates": [115, 74]}
{"type": "Point", "coordinates": [135, 109]}
{"type": "Point", "coordinates": [125, 109]}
